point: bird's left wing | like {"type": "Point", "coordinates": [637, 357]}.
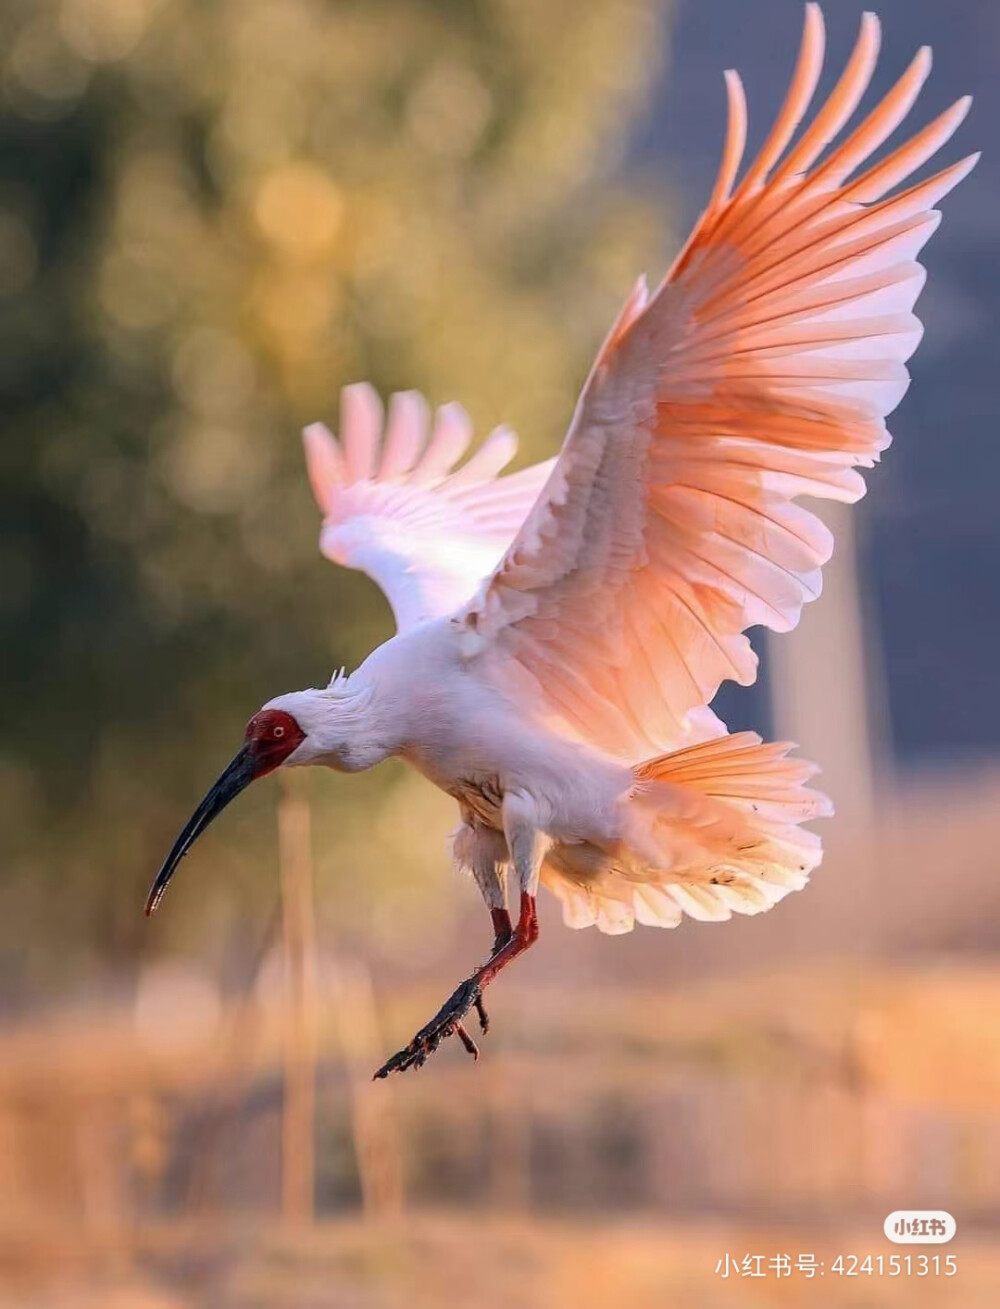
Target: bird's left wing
{"type": "Point", "coordinates": [395, 506]}
{"type": "Point", "coordinates": [761, 370]}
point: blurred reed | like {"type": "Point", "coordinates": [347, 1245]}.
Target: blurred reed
{"type": "Point", "coordinates": [298, 1136]}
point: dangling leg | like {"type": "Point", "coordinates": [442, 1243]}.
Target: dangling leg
{"type": "Point", "coordinates": [483, 851]}
{"type": "Point", "coordinates": [526, 845]}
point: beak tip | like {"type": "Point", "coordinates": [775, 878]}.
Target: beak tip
{"type": "Point", "coordinates": [156, 893]}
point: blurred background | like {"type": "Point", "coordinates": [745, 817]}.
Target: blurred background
{"type": "Point", "coordinates": [212, 216]}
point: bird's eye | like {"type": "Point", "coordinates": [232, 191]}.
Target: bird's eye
{"type": "Point", "coordinates": [278, 731]}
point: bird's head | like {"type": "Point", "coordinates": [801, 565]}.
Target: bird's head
{"type": "Point", "coordinates": [271, 737]}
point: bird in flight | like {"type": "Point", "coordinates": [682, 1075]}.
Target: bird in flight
{"type": "Point", "coordinates": [563, 630]}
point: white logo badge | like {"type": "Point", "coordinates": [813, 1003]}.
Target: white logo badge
{"type": "Point", "coordinates": [919, 1226]}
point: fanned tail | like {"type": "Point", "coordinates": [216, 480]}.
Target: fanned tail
{"type": "Point", "coordinates": [713, 829]}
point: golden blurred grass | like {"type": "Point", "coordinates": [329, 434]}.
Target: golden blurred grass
{"type": "Point", "coordinates": [478, 1261]}
{"type": "Point", "coordinates": [786, 1113]}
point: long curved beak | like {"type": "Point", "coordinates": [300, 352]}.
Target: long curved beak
{"type": "Point", "coordinates": [238, 774]}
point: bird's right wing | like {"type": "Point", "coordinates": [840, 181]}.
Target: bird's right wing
{"type": "Point", "coordinates": [760, 370]}
{"type": "Point", "coordinates": [395, 506]}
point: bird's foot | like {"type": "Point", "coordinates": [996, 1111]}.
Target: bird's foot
{"type": "Point", "coordinates": [448, 1019]}
{"type": "Point", "coordinates": [446, 1022]}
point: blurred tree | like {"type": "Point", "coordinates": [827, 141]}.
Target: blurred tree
{"type": "Point", "coordinates": [211, 217]}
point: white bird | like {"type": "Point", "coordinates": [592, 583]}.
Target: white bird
{"type": "Point", "coordinates": [562, 631]}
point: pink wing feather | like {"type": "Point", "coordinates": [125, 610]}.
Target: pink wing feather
{"type": "Point", "coordinates": [762, 369]}
{"type": "Point", "coordinates": [396, 507]}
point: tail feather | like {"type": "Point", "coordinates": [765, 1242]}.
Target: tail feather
{"type": "Point", "coordinates": [712, 830]}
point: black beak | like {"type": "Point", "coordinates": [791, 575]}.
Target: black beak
{"type": "Point", "coordinates": [237, 776]}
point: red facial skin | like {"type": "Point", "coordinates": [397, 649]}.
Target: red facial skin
{"type": "Point", "coordinates": [271, 736]}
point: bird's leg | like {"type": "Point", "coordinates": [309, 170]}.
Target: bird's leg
{"type": "Point", "coordinates": [483, 850]}
{"type": "Point", "coordinates": [526, 845]}
{"type": "Point", "coordinates": [448, 1019]}
{"type": "Point", "coordinates": [503, 929]}
{"type": "Point", "coordinates": [489, 867]}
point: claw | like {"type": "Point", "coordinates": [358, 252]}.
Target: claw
{"type": "Point", "coordinates": [484, 1018]}
{"type": "Point", "coordinates": [467, 1040]}
{"type": "Point", "coordinates": [446, 1022]}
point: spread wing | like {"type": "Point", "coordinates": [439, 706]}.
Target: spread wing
{"type": "Point", "coordinates": [396, 507]}
{"type": "Point", "coordinates": [761, 370]}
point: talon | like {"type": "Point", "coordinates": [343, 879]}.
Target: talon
{"type": "Point", "coordinates": [467, 1040]}
{"type": "Point", "coordinates": [484, 1018]}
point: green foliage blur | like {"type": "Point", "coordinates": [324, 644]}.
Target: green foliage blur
{"type": "Point", "coordinates": [212, 216]}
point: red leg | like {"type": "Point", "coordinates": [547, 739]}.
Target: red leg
{"type": "Point", "coordinates": [448, 1018]}
{"type": "Point", "coordinates": [502, 932]}
{"type": "Point", "coordinates": [524, 935]}
{"type": "Point", "coordinates": [502, 928]}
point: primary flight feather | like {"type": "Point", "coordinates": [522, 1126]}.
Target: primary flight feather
{"type": "Point", "coordinates": [562, 630]}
